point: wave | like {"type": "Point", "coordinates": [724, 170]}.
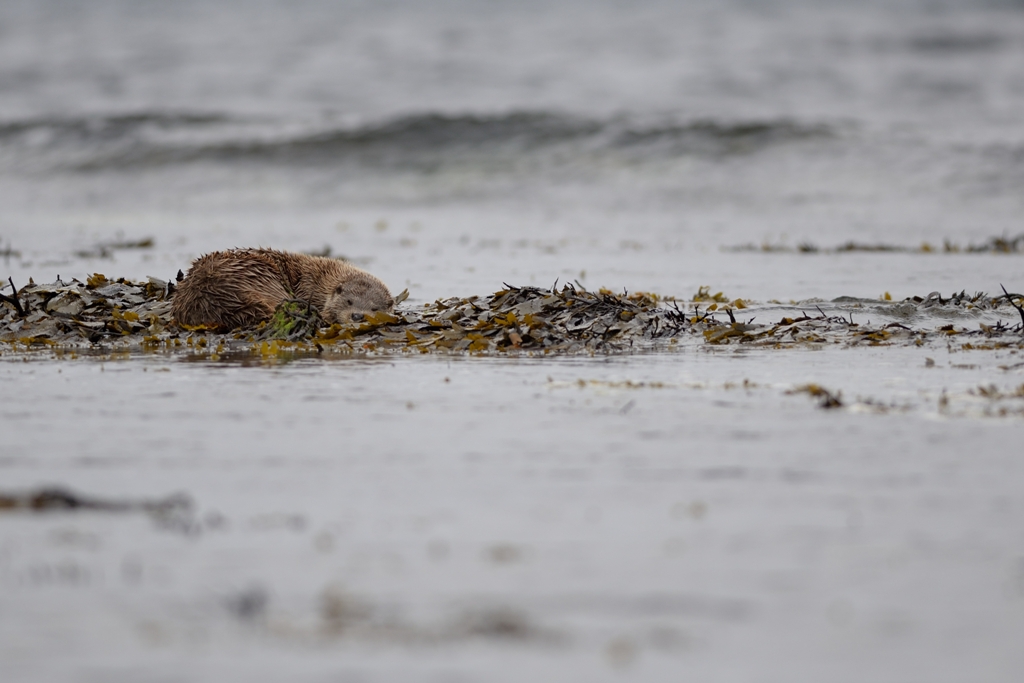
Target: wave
{"type": "Point", "coordinates": [415, 141]}
{"type": "Point", "coordinates": [104, 127]}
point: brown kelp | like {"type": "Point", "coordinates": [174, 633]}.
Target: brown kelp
{"type": "Point", "coordinates": [121, 314]}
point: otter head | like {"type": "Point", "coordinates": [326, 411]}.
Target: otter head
{"type": "Point", "coordinates": [356, 296]}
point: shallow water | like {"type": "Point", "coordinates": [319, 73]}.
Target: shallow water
{"type": "Point", "coordinates": [639, 513]}
{"type": "Point", "coordinates": [470, 518]}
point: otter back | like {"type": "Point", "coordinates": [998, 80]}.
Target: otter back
{"type": "Point", "coordinates": [241, 287]}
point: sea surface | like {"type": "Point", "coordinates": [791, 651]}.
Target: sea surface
{"type": "Point", "coordinates": [655, 516]}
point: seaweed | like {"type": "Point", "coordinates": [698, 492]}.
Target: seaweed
{"type": "Point", "coordinates": [13, 299]}
{"type": "Point", "coordinates": [1010, 297]}
{"type": "Point", "coordinates": [119, 314]}
{"type": "Point", "coordinates": [105, 250]}
{"type": "Point", "coordinates": [826, 399]}
{"type": "Point", "coordinates": [994, 245]}
{"type": "Point", "coordinates": [293, 319]}
{"type": "Point", "coordinates": [175, 512]}
{"type": "Point", "coordinates": [59, 499]}
{"type": "Point", "coordinates": [528, 319]}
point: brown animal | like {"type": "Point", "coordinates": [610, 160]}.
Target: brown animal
{"type": "Point", "coordinates": [241, 287]}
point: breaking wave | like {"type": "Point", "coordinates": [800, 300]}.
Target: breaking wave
{"type": "Point", "coordinates": [417, 142]}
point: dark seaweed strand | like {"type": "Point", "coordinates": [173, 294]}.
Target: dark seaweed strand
{"type": "Point", "coordinates": [1015, 305]}
{"type": "Point", "coordinates": [13, 300]}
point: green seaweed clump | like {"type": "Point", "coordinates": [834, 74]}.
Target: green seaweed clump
{"type": "Point", "coordinates": [293, 320]}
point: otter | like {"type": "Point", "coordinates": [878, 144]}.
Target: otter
{"type": "Point", "coordinates": [241, 287]}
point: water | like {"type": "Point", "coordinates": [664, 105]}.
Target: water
{"type": "Point", "coordinates": [492, 519]}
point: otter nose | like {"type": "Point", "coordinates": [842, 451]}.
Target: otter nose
{"type": "Point", "coordinates": [357, 316]}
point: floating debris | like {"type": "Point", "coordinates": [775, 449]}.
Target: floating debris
{"type": "Point", "coordinates": [992, 392]}
{"type": "Point", "coordinates": [327, 251]}
{"type": "Point", "coordinates": [8, 252]}
{"type": "Point", "coordinates": [171, 510]}
{"type": "Point", "coordinates": [351, 617]}
{"type": "Point", "coordinates": [248, 605]}
{"type": "Point", "coordinates": [107, 249]}
{"type": "Point", "coordinates": [173, 513]}
{"type": "Point", "coordinates": [123, 315]}
{"type": "Point", "coordinates": [826, 398]}
{"type": "Point", "coordinates": [994, 245]}
{"type": "Point", "coordinates": [47, 499]}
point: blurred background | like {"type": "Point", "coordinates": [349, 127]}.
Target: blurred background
{"type": "Point", "coordinates": [518, 139]}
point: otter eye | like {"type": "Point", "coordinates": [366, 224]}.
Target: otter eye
{"type": "Point", "coordinates": [350, 302]}
{"type": "Point", "coordinates": [340, 289]}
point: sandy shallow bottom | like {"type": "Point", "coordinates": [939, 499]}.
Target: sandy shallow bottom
{"type": "Point", "coordinates": [463, 519]}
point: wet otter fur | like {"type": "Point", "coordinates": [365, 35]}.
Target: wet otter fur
{"type": "Point", "coordinates": [241, 287]}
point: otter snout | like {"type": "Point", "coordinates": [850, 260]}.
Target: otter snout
{"type": "Point", "coordinates": [356, 298]}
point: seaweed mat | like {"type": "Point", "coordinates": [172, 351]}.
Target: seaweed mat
{"type": "Point", "coordinates": [124, 315]}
